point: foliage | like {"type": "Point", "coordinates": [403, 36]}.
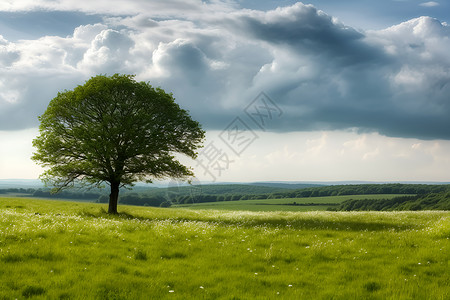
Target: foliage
{"type": "Point", "coordinates": [363, 189]}
{"type": "Point", "coordinates": [114, 130]}
{"type": "Point", "coordinates": [216, 193]}
{"type": "Point", "coordinates": [282, 185]}
{"type": "Point", "coordinates": [65, 251]}
{"type": "Point", "coordinates": [432, 201]}
{"type": "Point", "coordinates": [136, 199]}
{"type": "Point", "coordinates": [85, 195]}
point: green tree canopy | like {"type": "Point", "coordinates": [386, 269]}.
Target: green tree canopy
{"type": "Point", "coordinates": [114, 130]}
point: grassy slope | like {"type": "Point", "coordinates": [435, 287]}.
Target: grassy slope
{"type": "Point", "coordinates": [73, 250]}
{"type": "Point", "coordinates": [279, 204]}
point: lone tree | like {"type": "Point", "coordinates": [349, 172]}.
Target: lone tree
{"type": "Point", "coordinates": [114, 130]}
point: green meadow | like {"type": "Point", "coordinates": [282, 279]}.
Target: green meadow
{"type": "Point", "coordinates": [65, 250]}
{"type": "Point", "coordinates": [284, 204]}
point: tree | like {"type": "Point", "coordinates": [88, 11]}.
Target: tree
{"type": "Point", "coordinates": [114, 130]}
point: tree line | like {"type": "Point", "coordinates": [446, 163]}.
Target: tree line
{"type": "Point", "coordinates": [431, 201]}
{"type": "Point", "coordinates": [215, 193]}
{"type": "Point", "coordinates": [209, 194]}
{"type": "Point", "coordinates": [362, 189]}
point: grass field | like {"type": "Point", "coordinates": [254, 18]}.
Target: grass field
{"type": "Point", "coordinates": [63, 250]}
{"type": "Point", "coordinates": [320, 203]}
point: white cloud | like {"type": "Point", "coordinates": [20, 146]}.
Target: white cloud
{"type": "Point", "coordinates": [322, 73]}
{"type": "Point", "coordinates": [333, 155]}
{"type": "Point", "coordinates": [109, 52]}
{"type": "Point", "coordinates": [160, 9]}
{"type": "Point", "coordinates": [8, 53]}
{"type": "Point", "coordinates": [86, 33]}
{"type": "Point", "coordinates": [430, 4]}
{"type": "Point", "coordinates": [15, 154]}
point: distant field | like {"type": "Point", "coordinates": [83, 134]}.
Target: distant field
{"type": "Point", "coordinates": [67, 250]}
{"type": "Point", "coordinates": [27, 196]}
{"type": "Point", "coordinates": [320, 203]}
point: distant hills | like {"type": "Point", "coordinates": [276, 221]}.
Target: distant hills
{"type": "Point", "coordinates": [427, 196]}
{"type": "Point", "coordinates": [285, 185]}
{"type": "Point", "coordinates": [20, 183]}
{"type": "Point", "coordinates": [36, 183]}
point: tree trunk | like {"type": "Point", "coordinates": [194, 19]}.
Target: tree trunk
{"type": "Point", "coordinates": [113, 198]}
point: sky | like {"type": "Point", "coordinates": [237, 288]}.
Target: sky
{"type": "Point", "coordinates": [287, 91]}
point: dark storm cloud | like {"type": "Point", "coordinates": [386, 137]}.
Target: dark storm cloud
{"type": "Point", "coordinates": [395, 82]}
{"type": "Point", "coordinates": [310, 32]}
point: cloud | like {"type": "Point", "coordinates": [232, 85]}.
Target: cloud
{"type": "Point", "coordinates": [429, 4]}
{"type": "Point", "coordinates": [216, 58]}
{"type": "Point", "coordinates": [307, 31]}
{"type": "Point", "coordinates": [15, 152]}
{"type": "Point", "coordinates": [331, 155]}
{"type": "Point", "coordinates": [88, 32]}
{"type": "Point", "coordinates": [8, 54]}
{"type": "Point", "coordinates": [109, 52]}
{"type": "Point", "coordinates": [399, 88]}
{"type": "Point", "coordinates": [160, 9]}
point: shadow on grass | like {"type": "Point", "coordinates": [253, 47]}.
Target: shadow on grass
{"type": "Point", "coordinates": [102, 213]}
